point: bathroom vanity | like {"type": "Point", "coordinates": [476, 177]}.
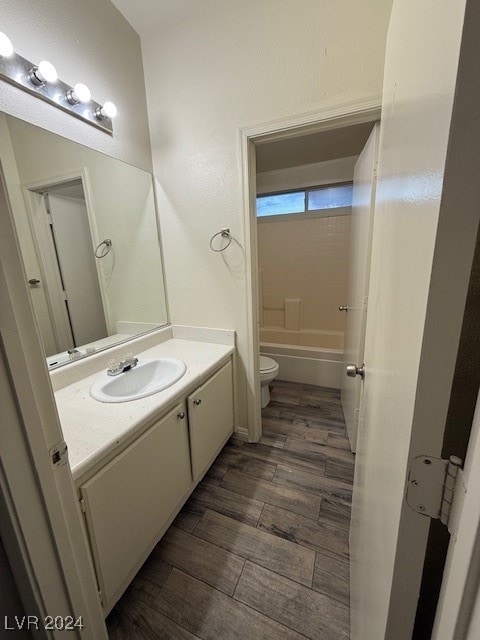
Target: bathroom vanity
{"type": "Point", "coordinates": [135, 463]}
{"type": "Point", "coordinates": [88, 234]}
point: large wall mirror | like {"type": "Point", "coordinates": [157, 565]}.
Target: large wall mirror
{"type": "Point", "coordinates": [89, 238]}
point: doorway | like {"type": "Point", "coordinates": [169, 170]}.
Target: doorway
{"type": "Point", "coordinates": [328, 120]}
{"type": "Point", "coordinates": [69, 265]}
{"type": "Point", "coordinates": [315, 198]}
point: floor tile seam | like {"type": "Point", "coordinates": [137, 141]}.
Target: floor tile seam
{"type": "Point", "coordinates": [302, 635]}
{"type": "Point", "coordinates": [250, 475]}
{"type": "Point", "coordinates": [328, 552]}
{"type": "Point", "coordinates": [342, 486]}
{"type": "Point", "coordinates": [271, 504]}
{"type": "Point", "coordinates": [208, 542]}
{"type": "Point", "coordinates": [258, 456]}
{"type": "Point", "coordinates": [274, 537]}
{"type": "Point", "coordinates": [179, 624]}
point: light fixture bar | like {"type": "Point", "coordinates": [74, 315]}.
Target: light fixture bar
{"type": "Point", "coordinates": [17, 71]}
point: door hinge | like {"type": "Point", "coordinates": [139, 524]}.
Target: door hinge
{"type": "Point", "coordinates": [83, 506]}
{"type": "Point", "coordinates": [59, 454]}
{"type": "Point", "coordinates": [432, 486]}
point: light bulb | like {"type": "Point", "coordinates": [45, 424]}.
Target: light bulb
{"type": "Point", "coordinates": [45, 72]}
{"type": "Point", "coordinates": [79, 93]}
{"type": "Point", "coordinates": [109, 110]}
{"type": "Point", "coordinates": [6, 46]}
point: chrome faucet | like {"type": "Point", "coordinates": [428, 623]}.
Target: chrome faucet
{"type": "Point", "coordinates": [115, 367]}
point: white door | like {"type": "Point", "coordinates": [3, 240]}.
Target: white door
{"type": "Point", "coordinates": [364, 181]}
{"type": "Point", "coordinates": [422, 247]}
{"type": "Point", "coordinates": [461, 550]}
{"type": "Point", "coordinates": [73, 244]}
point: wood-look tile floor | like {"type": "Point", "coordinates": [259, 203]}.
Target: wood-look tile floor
{"type": "Point", "coordinates": [260, 550]}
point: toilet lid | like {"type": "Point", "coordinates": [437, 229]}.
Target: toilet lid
{"type": "Point", "coordinates": [266, 364]}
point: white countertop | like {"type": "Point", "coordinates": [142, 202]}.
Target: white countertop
{"type": "Point", "coordinates": [94, 429]}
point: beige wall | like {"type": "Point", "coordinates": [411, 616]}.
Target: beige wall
{"type": "Point", "coordinates": [305, 259]}
{"type": "Point", "coordinates": [237, 63]}
{"type": "Point", "coordinates": [91, 42]}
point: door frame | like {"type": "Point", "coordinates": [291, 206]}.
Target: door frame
{"type": "Point", "coordinates": [33, 196]}
{"type": "Point", "coordinates": [41, 521]}
{"type": "Point", "coordinates": [326, 118]}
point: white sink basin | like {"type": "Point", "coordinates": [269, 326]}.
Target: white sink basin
{"type": "Point", "coordinates": [148, 377]}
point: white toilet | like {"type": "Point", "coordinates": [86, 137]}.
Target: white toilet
{"type": "Point", "coordinates": [268, 372]}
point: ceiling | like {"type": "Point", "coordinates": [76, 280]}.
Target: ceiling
{"type": "Point", "coordinates": [315, 147]}
{"type": "Point", "coordinates": [150, 16]}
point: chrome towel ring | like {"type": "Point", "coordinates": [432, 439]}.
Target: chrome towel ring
{"type": "Point", "coordinates": [107, 247]}
{"type": "Point", "coordinates": [224, 233]}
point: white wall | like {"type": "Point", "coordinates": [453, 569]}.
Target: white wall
{"type": "Point", "coordinates": [237, 63]}
{"type": "Point", "coordinates": [307, 175]}
{"type": "Point", "coordinates": [88, 41]}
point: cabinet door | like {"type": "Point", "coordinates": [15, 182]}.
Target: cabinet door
{"type": "Point", "coordinates": [210, 418]}
{"type": "Point", "coordinates": [131, 499]}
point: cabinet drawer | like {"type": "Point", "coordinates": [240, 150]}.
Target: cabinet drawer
{"type": "Point", "coordinates": [129, 501]}
{"type": "Point", "coordinates": [210, 418]}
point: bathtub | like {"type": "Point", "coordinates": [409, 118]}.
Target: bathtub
{"type": "Point", "coordinates": [309, 357]}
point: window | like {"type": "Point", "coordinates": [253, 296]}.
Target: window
{"type": "Point", "coordinates": [305, 200]}
{"type": "Point", "coordinates": [279, 204]}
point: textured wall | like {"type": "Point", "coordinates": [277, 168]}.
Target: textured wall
{"type": "Point", "coordinates": [87, 41]}
{"type": "Point", "coordinates": [236, 63]}
{"type": "Point", "coordinates": [305, 260]}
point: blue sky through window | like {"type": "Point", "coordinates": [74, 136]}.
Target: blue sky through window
{"type": "Point", "coordinates": [316, 199]}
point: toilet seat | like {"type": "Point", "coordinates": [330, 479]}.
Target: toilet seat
{"type": "Point", "coordinates": [267, 364]}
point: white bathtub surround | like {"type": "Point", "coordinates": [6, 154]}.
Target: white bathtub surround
{"type": "Point", "coordinates": [292, 314]}
{"type": "Point", "coordinates": [95, 431]}
{"type": "Point", "coordinates": [304, 338]}
{"type": "Point", "coordinates": [304, 259]}
{"type": "Point", "coordinates": [308, 365]}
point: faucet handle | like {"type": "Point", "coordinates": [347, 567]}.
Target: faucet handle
{"type": "Point", "coordinates": [113, 365]}
{"type": "Point", "coordinates": [129, 361]}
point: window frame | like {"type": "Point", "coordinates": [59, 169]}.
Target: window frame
{"type": "Point", "coordinates": [308, 213]}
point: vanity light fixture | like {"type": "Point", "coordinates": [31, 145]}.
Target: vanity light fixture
{"type": "Point", "coordinates": [43, 73]}
{"type": "Point", "coordinates": [109, 110]}
{"type": "Point", "coordinates": [6, 46]}
{"type": "Point", "coordinates": [41, 80]}
{"type": "Point", "coordinates": [80, 94]}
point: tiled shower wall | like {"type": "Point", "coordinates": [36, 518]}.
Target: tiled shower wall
{"type": "Point", "coordinates": [305, 259]}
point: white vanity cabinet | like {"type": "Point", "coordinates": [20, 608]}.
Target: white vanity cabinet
{"type": "Point", "coordinates": [210, 419]}
{"type": "Point", "coordinates": [129, 502]}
